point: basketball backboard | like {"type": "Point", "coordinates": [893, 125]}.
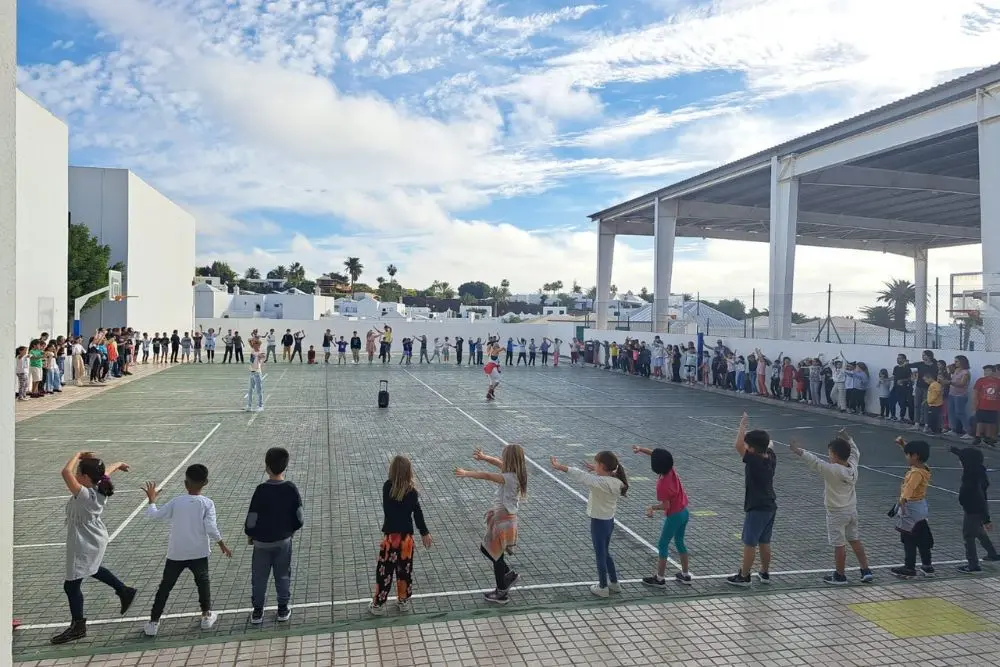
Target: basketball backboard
{"type": "Point", "coordinates": [114, 285]}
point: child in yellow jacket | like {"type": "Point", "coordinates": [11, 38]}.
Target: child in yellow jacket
{"type": "Point", "coordinates": [911, 512]}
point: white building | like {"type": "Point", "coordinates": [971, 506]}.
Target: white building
{"type": "Point", "coordinates": [554, 310]}
{"type": "Point", "coordinates": [267, 283]}
{"type": "Point", "coordinates": [213, 302]}
{"type": "Point", "coordinates": [149, 233]}
{"type": "Point", "coordinates": [42, 232]}
{"type": "Point", "coordinates": [214, 281]}
{"type": "Point", "coordinates": [532, 299]}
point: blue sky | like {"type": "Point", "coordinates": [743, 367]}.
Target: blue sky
{"type": "Point", "coordinates": [469, 139]}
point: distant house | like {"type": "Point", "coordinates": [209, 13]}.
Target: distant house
{"type": "Point", "coordinates": [330, 286]}
{"type": "Point", "coordinates": [267, 283]}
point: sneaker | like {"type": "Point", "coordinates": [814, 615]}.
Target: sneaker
{"type": "Point", "coordinates": [376, 610]}
{"type": "Point", "coordinates": [965, 569]}
{"type": "Point", "coordinates": [284, 613]}
{"type": "Point", "coordinates": [509, 580]}
{"type": "Point", "coordinates": [614, 587]}
{"type": "Point", "coordinates": [259, 408]}
{"type": "Point", "coordinates": [404, 606]}
{"type": "Point", "coordinates": [257, 616]}
{"type": "Point", "coordinates": [764, 577]}
{"type": "Point", "coordinates": [600, 592]}
{"type": "Point", "coordinates": [654, 582]}
{"type": "Point", "coordinates": [739, 580]}
{"type": "Point", "coordinates": [127, 596]}
{"type": "Point", "coordinates": [151, 628]}
{"type": "Point", "coordinates": [207, 622]}
{"type": "Point", "coordinates": [497, 597]}
{"type": "Point", "coordinates": [683, 578]}
{"type": "Point", "coordinates": [927, 570]}
{"type": "Point", "coordinates": [904, 572]}
{"type": "Point", "coordinates": [835, 579]}
{"type": "Point", "coordinates": [867, 577]}
{"type": "Point", "coordinates": [965, 436]}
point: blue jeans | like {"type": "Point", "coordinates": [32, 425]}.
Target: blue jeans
{"type": "Point", "coordinates": [256, 384]}
{"type": "Point", "coordinates": [600, 534]}
{"type": "Point", "coordinates": [957, 419]}
{"type": "Point", "coordinates": [268, 558]}
{"type": "Point", "coordinates": [61, 363]}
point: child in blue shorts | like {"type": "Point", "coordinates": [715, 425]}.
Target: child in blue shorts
{"type": "Point", "coordinates": [759, 502]}
{"type": "Point", "coordinates": [673, 503]}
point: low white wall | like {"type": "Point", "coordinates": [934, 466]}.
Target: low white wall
{"type": "Point", "coordinates": [874, 356]}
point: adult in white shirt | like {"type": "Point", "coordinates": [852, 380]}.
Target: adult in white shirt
{"type": "Point", "coordinates": [78, 371]}
{"type": "Point", "coordinates": [271, 347]}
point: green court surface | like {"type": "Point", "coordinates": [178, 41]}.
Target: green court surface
{"type": "Point", "coordinates": [341, 445]}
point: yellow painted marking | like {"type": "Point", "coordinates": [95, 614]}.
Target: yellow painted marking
{"type": "Point", "coordinates": [703, 513]}
{"type": "Point", "coordinates": [922, 617]}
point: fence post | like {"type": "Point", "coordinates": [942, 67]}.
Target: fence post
{"type": "Point", "coordinates": [937, 313]}
{"type": "Point", "coordinates": [888, 342]}
{"type": "Point", "coordinates": [753, 312]}
{"type": "Point", "coordinates": [855, 332]}
{"type": "Point", "coordinates": [829, 301]}
{"type": "Point", "coordinates": [744, 328]}
{"type": "Point", "coordinates": [708, 326]}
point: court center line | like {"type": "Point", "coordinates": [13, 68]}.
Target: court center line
{"type": "Point", "coordinates": [636, 536]}
{"type": "Point", "coordinates": [106, 441]}
{"type": "Point", "coordinates": [441, 594]}
{"type": "Point", "coordinates": [162, 484]}
{"type": "Point", "coordinates": [66, 497]}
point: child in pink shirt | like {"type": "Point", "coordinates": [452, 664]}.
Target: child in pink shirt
{"type": "Point", "coordinates": [673, 502]}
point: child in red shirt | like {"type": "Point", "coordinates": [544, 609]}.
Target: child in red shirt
{"type": "Point", "coordinates": [986, 400]}
{"type": "Point", "coordinates": [673, 503]}
{"type": "Point", "coordinates": [787, 378]}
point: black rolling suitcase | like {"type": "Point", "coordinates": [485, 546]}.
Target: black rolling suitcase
{"type": "Point", "coordinates": [383, 393]}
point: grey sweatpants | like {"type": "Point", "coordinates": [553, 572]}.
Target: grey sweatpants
{"type": "Point", "coordinates": [268, 558]}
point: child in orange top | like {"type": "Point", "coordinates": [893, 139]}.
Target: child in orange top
{"type": "Point", "coordinates": [911, 511]}
{"type": "Point", "coordinates": [935, 401]}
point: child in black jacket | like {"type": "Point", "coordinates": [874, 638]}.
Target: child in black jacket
{"type": "Point", "coordinates": [972, 497]}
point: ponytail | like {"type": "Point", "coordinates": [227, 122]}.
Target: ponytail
{"type": "Point", "coordinates": [614, 467]}
{"type": "Point", "coordinates": [94, 470]}
{"type": "Point", "coordinates": [107, 489]}
{"type": "Point", "coordinates": [620, 474]}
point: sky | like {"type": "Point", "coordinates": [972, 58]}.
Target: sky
{"type": "Point", "coordinates": [470, 139]}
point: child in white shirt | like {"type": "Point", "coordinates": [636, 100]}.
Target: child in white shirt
{"type": "Point", "coordinates": [22, 368]}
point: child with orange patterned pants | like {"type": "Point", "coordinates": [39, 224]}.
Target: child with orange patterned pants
{"type": "Point", "coordinates": [401, 507]}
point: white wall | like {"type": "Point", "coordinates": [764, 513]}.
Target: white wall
{"type": "Point", "coordinates": [876, 357]}
{"type": "Point", "coordinates": [42, 221]}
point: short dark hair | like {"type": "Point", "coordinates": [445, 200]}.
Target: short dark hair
{"type": "Point", "coordinates": [197, 474]}
{"type": "Point", "coordinates": [661, 461]}
{"type": "Point", "coordinates": [757, 440]}
{"type": "Point", "coordinates": [920, 448]}
{"type": "Point", "coordinates": [841, 448]}
{"type": "Point", "coordinates": [276, 460]}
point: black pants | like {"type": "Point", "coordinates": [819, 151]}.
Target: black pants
{"type": "Point", "coordinates": [775, 387]}
{"type": "Point", "coordinates": [145, 355]}
{"type": "Point", "coordinates": [520, 358]}
{"type": "Point", "coordinates": [479, 356]}
{"type": "Point", "coordinates": [210, 353]}
{"type": "Point", "coordinates": [545, 357]}
{"type": "Point", "coordinates": [973, 531]}
{"type": "Point", "coordinates": [787, 393]}
{"type": "Point", "coordinates": [509, 359]}
{"type": "Point", "coordinates": [531, 359]}
{"type": "Point", "coordinates": [934, 418]}
{"type": "Point", "coordinates": [74, 590]}
{"type": "Point", "coordinates": [472, 355]}
{"type": "Point", "coordinates": [500, 569]}
{"type": "Point", "coordinates": [238, 351]}
{"type": "Point", "coordinates": [883, 407]}
{"type": "Point", "coordinates": [174, 351]}
{"type": "Point", "coordinates": [458, 355]}
{"type": "Point", "coordinates": [298, 351]}
{"type": "Point", "coordinates": [920, 540]}
{"type": "Point", "coordinates": [227, 356]}
{"type": "Point", "coordinates": [171, 572]}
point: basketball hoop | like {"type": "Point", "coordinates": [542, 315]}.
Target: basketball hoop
{"type": "Point", "coordinates": [967, 315]}
{"type": "Point", "coordinates": [120, 297]}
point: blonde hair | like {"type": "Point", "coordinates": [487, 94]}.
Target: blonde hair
{"type": "Point", "coordinates": [401, 477]}
{"type": "Point", "coordinates": [513, 461]}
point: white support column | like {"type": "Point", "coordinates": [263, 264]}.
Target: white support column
{"type": "Point", "coordinates": [784, 220]}
{"type": "Point", "coordinates": [989, 207]}
{"type": "Point", "coordinates": [664, 233]}
{"type": "Point", "coordinates": [920, 297]}
{"type": "Point", "coordinates": [605, 260]}
{"type": "Point", "coordinates": [8, 230]}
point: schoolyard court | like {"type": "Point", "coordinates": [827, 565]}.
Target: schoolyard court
{"type": "Point", "coordinates": [341, 445]}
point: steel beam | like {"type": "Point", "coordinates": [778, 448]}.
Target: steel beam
{"type": "Point", "coordinates": [849, 176]}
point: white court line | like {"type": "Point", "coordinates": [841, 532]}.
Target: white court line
{"type": "Point", "coordinates": [81, 427]}
{"type": "Point", "coordinates": [636, 536]}
{"type": "Point", "coordinates": [35, 546]}
{"type": "Point", "coordinates": [25, 441]}
{"type": "Point", "coordinates": [162, 484]}
{"type": "Point", "coordinates": [446, 594]}
{"type": "Point", "coordinates": [264, 403]}
{"type": "Point", "coordinates": [64, 497]}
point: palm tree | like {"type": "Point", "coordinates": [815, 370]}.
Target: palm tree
{"type": "Point", "coordinates": [446, 291]}
{"type": "Point", "coordinates": [278, 272]}
{"type": "Point", "coordinates": [576, 288]}
{"type": "Point", "coordinates": [392, 271]}
{"type": "Point", "coordinates": [878, 315]}
{"type": "Point", "coordinates": [354, 269]}
{"type": "Point", "coordinates": [296, 273]}
{"type": "Point", "coordinates": [251, 273]}
{"type": "Point", "coordinates": [898, 295]}
{"type": "Point", "coordinates": [613, 291]}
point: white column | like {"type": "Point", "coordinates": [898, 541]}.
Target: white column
{"type": "Point", "coordinates": [664, 232]}
{"type": "Point", "coordinates": [989, 207]}
{"type": "Point", "coordinates": [784, 220]}
{"type": "Point", "coordinates": [8, 228]}
{"type": "Point", "coordinates": [605, 259]}
{"type": "Point", "coordinates": [920, 297]}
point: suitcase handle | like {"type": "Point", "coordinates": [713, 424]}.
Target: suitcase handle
{"type": "Point", "coordinates": [383, 384]}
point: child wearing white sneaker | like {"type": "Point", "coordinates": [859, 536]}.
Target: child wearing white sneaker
{"type": "Point", "coordinates": [673, 502]}
{"type": "Point", "coordinates": [192, 525]}
{"type": "Point", "coordinates": [606, 482]}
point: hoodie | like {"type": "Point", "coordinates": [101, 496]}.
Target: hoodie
{"type": "Point", "coordinates": [839, 480]}
{"type": "Point", "coordinates": [972, 492]}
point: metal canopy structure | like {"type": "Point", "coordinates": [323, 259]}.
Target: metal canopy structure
{"type": "Point", "coordinates": [902, 179]}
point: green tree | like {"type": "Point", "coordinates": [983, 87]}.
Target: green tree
{"type": "Point", "coordinates": [296, 274]}
{"type": "Point", "coordinates": [878, 315]}
{"type": "Point", "coordinates": [278, 272]}
{"type": "Point", "coordinates": [220, 270]}
{"type": "Point", "coordinates": [478, 289]}
{"type": "Point", "coordinates": [354, 270]}
{"type": "Point", "coordinates": [87, 268]}
{"type": "Point", "coordinates": [592, 293]}
{"type": "Point", "coordinates": [645, 295]}
{"type": "Point", "coordinates": [446, 291]}
{"type": "Point", "coordinates": [800, 318]}
{"type": "Point", "coordinates": [576, 288]}
{"type": "Point", "coordinates": [898, 295]}
{"type": "Point", "coordinates": [392, 271]}
{"type": "Point", "coordinates": [468, 299]}
{"type": "Point", "coordinates": [251, 273]}
{"type": "Point", "coordinates": [732, 307]}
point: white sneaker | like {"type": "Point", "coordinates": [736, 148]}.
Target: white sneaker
{"type": "Point", "coordinates": [376, 611]}
{"type": "Point", "coordinates": [965, 436]}
{"type": "Point", "coordinates": [151, 628]}
{"type": "Point", "coordinates": [259, 408]}
{"type": "Point", "coordinates": [208, 621]}
{"type": "Point", "coordinates": [614, 587]}
{"type": "Point", "coordinates": [248, 409]}
{"type": "Point", "coordinates": [600, 592]}
{"type": "Point", "coordinates": [405, 606]}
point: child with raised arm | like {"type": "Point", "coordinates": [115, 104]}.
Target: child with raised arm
{"type": "Point", "coordinates": [256, 379]}
{"type": "Point", "coordinates": [673, 502]}
{"type": "Point", "coordinates": [840, 477]}
{"type": "Point", "coordinates": [607, 482]}
{"type": "Point", "coordinates": [501, 518]}
{"type": "Point", "coordinates": [911, 512]}
{"type": "Point", "coordinates": [193, 528]}
{"type": "Point", "coordinates": [975, 507]}
{"type": "Point", "coordinates": [759, 502]}
{"type": "Point", "coordinates": [401, 508]}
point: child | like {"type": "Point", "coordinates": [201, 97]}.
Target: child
{"type": "Point", "coordinates": [673, 501]}
{"type": "Point", "coordinates": [986, 406]}
{"type": "Point", "coordinates": [401, 508]}
{"type": "Point", "coordinates": [274, 516]}
{"type": "Point", "coordinates": [606, 484]}
{"type": "Point", "coordinates": [310, 356]}
{"type": "Point", "coordinates": [935, 401]}
{"type": "Point", "coordinates": [23, 369]}
{"type": "Point", "coordinates": [840, 477]}
{"type": "Point", "coordinates": [192, 525]}
{"type": "Point", "coordinates": [787, 378]}
{"type": "Point", "coordinates": [89, 484]}
{"type": "Point", "coordinates": [341, 351]}
{"type": "Point", "coordinates": [256, 380]}
{"type": "Point", "coordinates": [884, 391]}
{"type": "Point", "coordinates": [760, 504]}
{"type": "Point", "coordinates": [492, 370]}
{"type": "Point", "coordinates": [911, 511]}
{"type": "Point", "coordinates": [976, 508]}
{"type": "Point", "coordinates": [501, 519]}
